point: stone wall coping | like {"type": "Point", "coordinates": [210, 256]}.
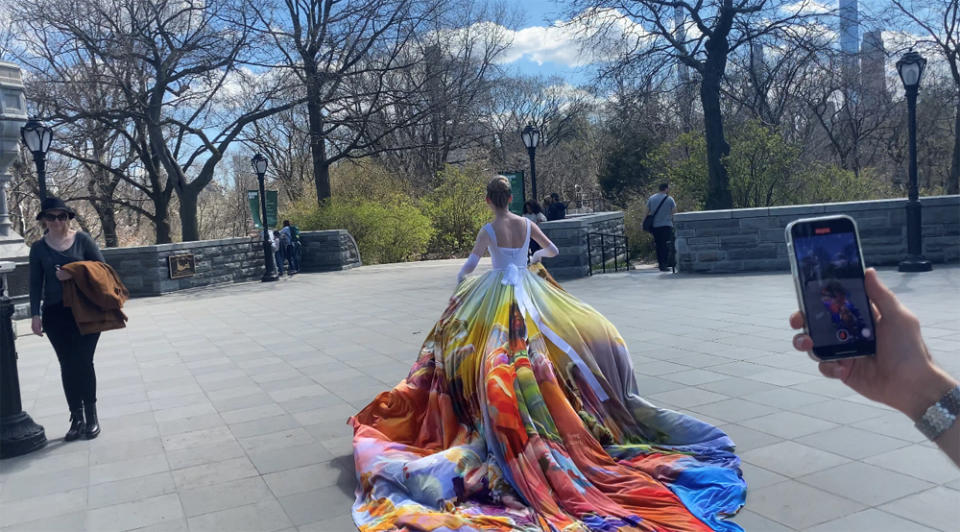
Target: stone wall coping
{"type": "Point", "coordinates": [582, 220]}
{"type": "Point", "coordinates": [814, 208]}
{"type": "Point", "coordinates": [180, 246]}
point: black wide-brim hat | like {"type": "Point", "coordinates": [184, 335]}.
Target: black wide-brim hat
{"type": "Point", "coordinates": [55, 204]}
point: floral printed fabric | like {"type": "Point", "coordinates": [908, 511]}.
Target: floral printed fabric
{"type": "Point", "coordinates": [522, 413]}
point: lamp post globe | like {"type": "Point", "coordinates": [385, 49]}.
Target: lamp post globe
{"type": "Point", "coordinates": [911, 67]}
{"type": "Point", "coordinates": [259, 163]}
{"type": "Point", "coordinates": [37, 137]}
{"type": "Point", "coordinates": [531, 137]}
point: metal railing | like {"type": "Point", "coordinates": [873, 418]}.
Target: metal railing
{"type": "Point", "coordinates": [591, 203]}
{"type": "Point", "coordinates": [610, 246]}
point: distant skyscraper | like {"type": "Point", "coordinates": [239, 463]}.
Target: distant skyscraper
{"type": "Point", "coordinates": [850, 42]}
{"type": "Point", "coordinates": [873, 68]}
{"type": "Point", "coordinates": [685, 92]}
{"type": "Point", "coordinates": [756, 60]}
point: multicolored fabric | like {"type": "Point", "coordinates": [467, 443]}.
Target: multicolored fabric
{"type": "Point", "coordinates": [522, 413]}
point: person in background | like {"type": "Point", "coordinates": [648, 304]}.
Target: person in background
{"type": "Point", "coordinates": [901, 374]}
{"type": "Point", "coordinates": [289, 246]}
{"type": "Point", "coordinates": [533, 212]}
{"type": "Point", "coordinates": [663, 207]}
{"type": "Point", "coordinates": [63, 245]}
{"type": "Point", "coordinates": [277, 251]}
{"type": "Point", "coordinates": [557, 209]}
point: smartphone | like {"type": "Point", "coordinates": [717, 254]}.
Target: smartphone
{"type": "Point", "coordinates": [827, 265]}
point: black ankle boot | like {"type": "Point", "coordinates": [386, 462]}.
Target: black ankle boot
{"type": "Point", "coordinates": [76, 425]}
{"type": "Point", "coordinates": [92, 428]}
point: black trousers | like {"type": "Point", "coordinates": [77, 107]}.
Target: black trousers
{"type": "Point", "coordinates": [663, 236]}
{"type": "Point", "coordinates": [75, 353]}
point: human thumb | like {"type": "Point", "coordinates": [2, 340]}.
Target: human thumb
{"type": "Point", "coordinates": [879, 294]}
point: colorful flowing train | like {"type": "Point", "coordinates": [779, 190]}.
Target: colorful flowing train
{"type": "Point", "coordinates": [522, 413]}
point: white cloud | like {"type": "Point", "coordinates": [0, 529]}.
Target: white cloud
{"type": "Point", "coordinates": [586, 39]}
{"type": "Point", "coordinates": [809, 7]}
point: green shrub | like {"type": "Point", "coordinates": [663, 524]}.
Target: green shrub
{"type": "Point", "coordinates": [390, 229]}
{"type": "Point", "coordinates": [456, 209]}
{"type": "Point", "coordinates": [764, 170]}
{"type": "Point", "coordinates": [640, 242]}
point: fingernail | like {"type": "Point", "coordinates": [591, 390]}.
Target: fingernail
{"type": "Point", "coordinates": [835, 371]}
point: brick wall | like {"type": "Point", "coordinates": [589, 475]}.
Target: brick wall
{"type": "Point", "coordinates": [741, 240]}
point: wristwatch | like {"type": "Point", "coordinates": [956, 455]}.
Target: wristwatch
{"type": "Point", "coordinates": [941, 415]}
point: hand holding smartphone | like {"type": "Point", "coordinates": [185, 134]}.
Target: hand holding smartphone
{"type": "Point", "coordinates": [827, 265]}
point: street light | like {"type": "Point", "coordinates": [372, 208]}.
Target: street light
{"type": "Point", "coordinates": [259, 163]}
{"type": "Point", "coordinates": [531, 137]}
{"type": "Point", "coordinates": [910, 67]}
{"type": "Point", "coordinates": [36, 137]}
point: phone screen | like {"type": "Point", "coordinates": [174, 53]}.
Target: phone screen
{"type": "Point", "coordinates": [831, 281]}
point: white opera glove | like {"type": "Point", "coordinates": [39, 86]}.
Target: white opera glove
{"type": "Point", "coordinates": [468, 267]}
{"type": "Point", "coordinates": [539, 254]}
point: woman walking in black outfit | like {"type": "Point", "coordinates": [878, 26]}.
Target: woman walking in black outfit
{"type": "Point", "coordinates": [63, 245]}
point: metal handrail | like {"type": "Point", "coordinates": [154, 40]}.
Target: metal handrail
{"type": "Point", "coordinates": [619, 243]}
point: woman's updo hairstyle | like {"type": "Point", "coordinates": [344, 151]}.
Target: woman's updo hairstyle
{"type": "Point", "coordinates": [498, 192]}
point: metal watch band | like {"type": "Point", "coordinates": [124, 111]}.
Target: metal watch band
{"type": "Point", "coordinates": [941, 415]}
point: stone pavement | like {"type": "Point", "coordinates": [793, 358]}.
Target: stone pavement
{"type": "Point", "coordinates": [224, 409]}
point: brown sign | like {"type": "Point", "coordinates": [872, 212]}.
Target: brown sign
{"type": "Point", "coordinates": [181, 266]}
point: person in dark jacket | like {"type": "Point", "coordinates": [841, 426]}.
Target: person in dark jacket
{"type": "Point", "coordinates": [557, 209]}
{"type": "Point", "coordinates": [59, 246]}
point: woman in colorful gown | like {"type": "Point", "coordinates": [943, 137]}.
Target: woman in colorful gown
{"type": "Point", "coordinates": [522, 413]}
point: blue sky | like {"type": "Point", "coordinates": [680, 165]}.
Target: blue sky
{"type": "Point", "coordinates": [549, 61]}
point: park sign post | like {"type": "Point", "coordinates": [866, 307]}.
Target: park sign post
{"type": "Point", "coordinates": [516, 189]}
{"type": "Point", "coordinates": [253, 197]}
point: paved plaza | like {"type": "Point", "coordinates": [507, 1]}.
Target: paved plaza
{"type": "Point", "coordinates": [225, 408]}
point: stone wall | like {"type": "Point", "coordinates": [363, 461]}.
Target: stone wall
{"type": "Point", "coordinates": [145, 271]}
{"type": "Point", "coordinates": [570, 236]}
{"type": "Point", "coordinates": [331, 250]}
{"type": "Point", "coordinates": [742, 240]}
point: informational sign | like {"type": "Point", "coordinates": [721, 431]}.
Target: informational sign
{"type": "Point", "coordinates": [517, 189]}
{"type": "Point", "coordinates": [182, 266]}
{"type": "Point", "coordinates": [253, 197]}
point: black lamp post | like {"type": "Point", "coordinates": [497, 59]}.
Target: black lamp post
{"type": "Point", "coordinates": [531, 137]}
{"type": "Point", "coordinates": [259, 163]}
{"type": "Point", "coordinates": [18, 433]}
{"type": "Point", "coordinates": [910, 67]}
{"type": "Point", "coordinates": [36, 137]}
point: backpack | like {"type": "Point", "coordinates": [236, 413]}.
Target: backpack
{"type": "Point", "coordinates": [295, 234]}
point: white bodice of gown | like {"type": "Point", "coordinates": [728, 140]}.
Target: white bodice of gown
{"type": "Point", "coordinates": [511, 261]}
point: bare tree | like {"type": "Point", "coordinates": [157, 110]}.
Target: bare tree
{"type": "Point", "coordinates": [559, 110]}
{"type": "Point", "coordinates": [178, 66]}
{"type": "Point", "coordinates": [713, 29]}
{"type": "Point", "coordinates": [284, 139]}
{"type": "Point", "coordinates": [939, 20]}
{"type": "Point", "coordinates": [343, 53]}
{"type": "Point", "coordinates": [457, 72]}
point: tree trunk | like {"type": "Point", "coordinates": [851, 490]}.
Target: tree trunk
{"type": "Point", "coordinates": [321, 177]}
{"type": "Point", "coordinates": [161, 220]}
{"type": "Point", "coordinates": [108, 223]}
{"type": "Point", "coordinates": [318, 148]}
{"type": "Point", "coordinates": [718, 186]}
{"type": "Point", "coordinates": [953, 184]}
{"type": "Point", "coordinates": [101, 187]}
{"type": "Point", "coordinates": [189, 225]}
